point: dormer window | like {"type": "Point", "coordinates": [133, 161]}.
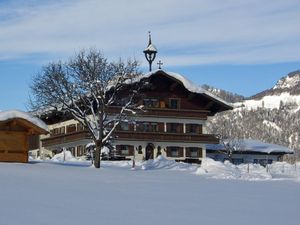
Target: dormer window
{"type": "Point", "coordinates": [174, 103]}
{"type": "Point", "coordinates": [151, 103]}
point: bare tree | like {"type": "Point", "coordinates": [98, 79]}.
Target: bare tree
{"type": "Point", "coordinates": [87, 86]}
{"type": "Point", "coordinates": [230, 141]}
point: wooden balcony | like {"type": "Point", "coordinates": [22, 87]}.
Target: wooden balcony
{"type": "Point", "coordinates": [166, 137]}
{"type": "Point", "coordinates": [134, 136]}
{"type": "Point", "coordinates": [65, 138]}
{"type": "Point", "coordinates": [167, 113]}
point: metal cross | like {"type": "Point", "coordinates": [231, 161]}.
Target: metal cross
{"type": "Point", "coordinates": [159, 64]}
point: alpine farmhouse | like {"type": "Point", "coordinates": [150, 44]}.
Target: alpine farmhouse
{"type": "Point", "coordinates": [172, 123]}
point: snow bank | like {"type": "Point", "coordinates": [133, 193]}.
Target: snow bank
{"type": "Point", "coordinates": [251, 172]}
{"type": "Point", "coordinates": [12, 114]}
{"type": "Point", "coordinates": [226, 170]}
{"type": "Point", "coordinates": [215, 169]}
{"type": "Point", "coordinates": [162, 163]}
{"type": "Point", "coordinates": [63, 156]}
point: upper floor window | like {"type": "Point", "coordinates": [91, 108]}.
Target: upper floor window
{"type": "Point", "coordinates": [194, 128]}
{"type": "Point", "coordinates": [71, 128]}
{"type": "Point", "coordinates": [174, 127]}
{"type": "Point", "coordinates": [147, 127]}
{"type": "Point", "coordinates": [124, 126]}
{"type": "Point", "coordinates": [174, 103]}
{"type": "Point", "coordinates": [151, 103]}
{"type": "Point", "coordinates": [57, 131]}
{"type": "Point", "coordinates": [80, 127]}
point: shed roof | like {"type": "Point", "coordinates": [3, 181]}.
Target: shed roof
{"type": "Point", "coordinates": [25, 119]}
{"type": "Point", "coordinates": [251, 145]}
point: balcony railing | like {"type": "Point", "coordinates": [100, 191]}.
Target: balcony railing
{"type": "Point", "coordinates": [165, 112]}
{"type": "Point", "coordinates": [66, 138]}
{"type": "Point", "coordinates": [166, 137]}
{"type": "Point", "coordinates": [134, 136]}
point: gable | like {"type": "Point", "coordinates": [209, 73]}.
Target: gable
{"type": "Point", "coordinates": [165, 85]}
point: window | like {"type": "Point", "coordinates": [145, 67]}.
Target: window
{"type": "Point", "coordinates": [71, 128]}
{"type": "Point", "coordinates": [174, 103]}
{"type": "Point", "coordinates": [174, 152]}
{"type": "Point", "coordinates": [147, 127]}
{"type": "Point", "coordinates": [57, 131]}
{"type": "Point", "coordinates": [72, 150]}
{"type": "Point", "coordinates": [124, 126]}
{"type": "Point", "coordinates": [237, 161]}
{"type": "Point", "coordinates": [193, 152]}
{"type": "Point", "coordinates": [80, 151]}
{"type": "Point", "coordinates": [125, 150]}
{"type": "Point", "coordinates": [174, 127]}
{"type": "Point", "coordinates": [80, 127]}
{"type": "Point", "coordinates": [151, 103]}
{"type": "Point", "coordinates": [193, 128]}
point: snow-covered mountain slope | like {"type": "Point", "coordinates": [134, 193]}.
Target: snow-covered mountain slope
{"type": "Point", "coordinates": [284, 99]}
{"type": "Point", "coordinates": [289, 82]}
{"type": "Point", "coordinates": [285, 94]}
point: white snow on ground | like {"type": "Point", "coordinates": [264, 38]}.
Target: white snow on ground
{"type": "Point", "coordinates": [11, 114]}
{"type": "Point", "coordinates": [63, 156]}
{"type": "Point", "coordinates": [156, 192]}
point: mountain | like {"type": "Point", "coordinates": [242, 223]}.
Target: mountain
{"type": "Point", "coordinates": [285, 94]}
{"type": "Point", "coordinates": [287, 84]}
{"type": "Point", "coordinates": [226, 95]}
{"type": "Point", "coordinates": [272, 115]}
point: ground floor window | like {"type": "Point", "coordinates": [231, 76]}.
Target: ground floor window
{"type": "Point", "coordinates": [237, 161]}
{"type": "Point", "coordinates": [80, 150]}
{"type": "Point", "coordinates": [263, 162]}
{"type": "Point", "coordinates": [173, 151]}
{"type": "Point", "coordinates": [125, 150]}
{"type": "Point", "coordinates": [72, 150]}
{"type": "Point", "coordinates": [192, 152]}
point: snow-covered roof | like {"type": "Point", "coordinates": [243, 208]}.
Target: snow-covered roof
{"type": "Point", "coordinates": [151, 47]}
{"type": "Point", "coordinates": [14, 114]}
{"type": "Point", "coordinates": [251, 145]}
{"type": "Point", "coordinates": [189, 85]}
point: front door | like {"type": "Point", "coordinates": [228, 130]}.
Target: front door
{"type": "Point", "coordinates": [149, 152]}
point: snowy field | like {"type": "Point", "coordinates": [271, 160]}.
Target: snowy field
{"type": "Point", "coordinates": [156, 192]}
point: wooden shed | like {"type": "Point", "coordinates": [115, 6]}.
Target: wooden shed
{"type": "Point", "coordinates": [16, 128]}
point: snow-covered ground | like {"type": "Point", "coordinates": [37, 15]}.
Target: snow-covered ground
{"type": "Point", "coordinates": [156, 192]}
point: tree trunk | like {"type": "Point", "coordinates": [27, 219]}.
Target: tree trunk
{"type": "Point", "coordinates": [97, 154]}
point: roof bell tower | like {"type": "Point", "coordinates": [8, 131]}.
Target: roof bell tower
{"type": "Point", "coordinates": [150, 52]}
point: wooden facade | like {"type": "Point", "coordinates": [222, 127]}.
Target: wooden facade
{"type": "Point", "coordinates": [16, 135]}
{"type": "Point", "coordinates": [172, 122]}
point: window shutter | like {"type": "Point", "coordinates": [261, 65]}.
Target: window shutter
{"type": "Point", "coordinates": [131, 150]}
{"type": "Point", "coordinates": [180, 149]}
{"type": "Point", "coordinates": [168, 152]}
{"type": "Point", "coordinates": [187, 152]}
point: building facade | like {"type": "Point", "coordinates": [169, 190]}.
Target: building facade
{"type": "Point", "coordinates": [172, 123]}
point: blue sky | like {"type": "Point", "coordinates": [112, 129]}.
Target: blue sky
{"type": "Point", "coordinates": [240, 46]}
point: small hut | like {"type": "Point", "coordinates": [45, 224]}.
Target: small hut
{"type": "Point", "coordinates": [16, 128]}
